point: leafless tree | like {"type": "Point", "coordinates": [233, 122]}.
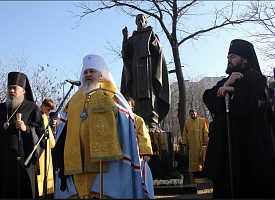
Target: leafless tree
{"type": "Point", "coordinates": [172, 16]}
{"type": "Point", "coordinates": [171, 123]}
{"type": "Point", "coordinates": [43, 80]}
{"type": "Point", "coordinates": [3, 80]}
{"type": "Point", "coordinates": [264, 14]}
{"type": "Point", "coordinates": [45, 83]}
{"type": "Point", "coordinates": [12, 61]}
{"type": "Point", "coordinates": [195, 87]}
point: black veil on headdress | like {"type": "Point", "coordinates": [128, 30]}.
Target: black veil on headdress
{"type": "Point", "coordinates": [246, 50]}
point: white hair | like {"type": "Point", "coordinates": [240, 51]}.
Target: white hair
{"type": "Point", "coordinates": [14, 102]}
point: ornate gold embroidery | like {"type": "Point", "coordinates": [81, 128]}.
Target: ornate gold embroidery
{"type": "Point", "coordinates": [100, 126]}
{"type": "Point", "coordinates": [76, 99]}
{"type": "Point", "coordinates": [101, 98]}
{"type": "Point", "coordinates": [95, 195]}
{"type": "Point", "coordinates": [72, 155]}
{"type": "Point", "coordinates": [81, 181]}
{"type": "Point", "coordinates": [91, 195]}
{"type": "Point", "coordinates": [102, 146]}
{"type": "Point", "coordinates": [99, 101]}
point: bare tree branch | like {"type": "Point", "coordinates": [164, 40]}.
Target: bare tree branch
{"type": "Point", "coordinates": [186, 6]}
{"type": "Point", "coordinates": [172, 19]}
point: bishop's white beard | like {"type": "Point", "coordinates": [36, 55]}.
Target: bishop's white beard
{"type": "Point", "coordinates": [89, 86]}
{"type": "Point", "coordinates": [14, 102]}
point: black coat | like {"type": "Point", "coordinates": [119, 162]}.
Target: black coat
{"type": "Point", "coordinates": [252, 161]}
{"type": "Point", "coordinates": [32, 117]}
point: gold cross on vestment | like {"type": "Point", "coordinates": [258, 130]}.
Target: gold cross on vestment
{"type": "Point", "coordinates": [100, 126]}
{"type": "Point", "coordinates": [81, 181]}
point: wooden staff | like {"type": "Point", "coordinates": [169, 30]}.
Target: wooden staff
{"type": "Point", "coordinates": [101, 181]}
{"type": "Point", "coordinates": [227, 99]}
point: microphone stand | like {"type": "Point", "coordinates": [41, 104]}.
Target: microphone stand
{"type": "Point", "coordinates": [43, 135]}
{"type": "Point", "coordinates": [46, 132]}
{"type": "Point", "coordinates": [18, 117]}
{"type": "Point", "coordinates": [227, 99]}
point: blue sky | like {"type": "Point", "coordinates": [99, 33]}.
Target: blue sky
{"type": "Point", "coordinates": [44, 29]}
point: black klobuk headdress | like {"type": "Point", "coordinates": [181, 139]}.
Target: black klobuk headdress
{"type": "Point", "coordinates": [246, 50]}
{"type": "Point", "coordinates": [20, 79]}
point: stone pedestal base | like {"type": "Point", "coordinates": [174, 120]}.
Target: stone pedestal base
{"type": "Point", "coordinates": [161, 162]}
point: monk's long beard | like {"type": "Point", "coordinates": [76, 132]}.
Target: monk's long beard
{"type": "Point", "coordinates": [89, 86]}
{"type": "Point", "coordinates": [14, 102]}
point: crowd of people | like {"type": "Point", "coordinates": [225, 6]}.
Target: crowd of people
{"type": "Point", "coordinates": [97, 141]}
{"type": "Point", "coordinates": [99, 148]}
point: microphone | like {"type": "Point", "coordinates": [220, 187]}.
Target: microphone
{"type": "Point", "coordinates": [77, 83]}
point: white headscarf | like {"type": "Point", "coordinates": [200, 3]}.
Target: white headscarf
{"type": "Point", "coordinates": [96, 62]}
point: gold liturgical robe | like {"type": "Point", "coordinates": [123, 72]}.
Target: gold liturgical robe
{"type": "Point", "coordinates": [91, 140]}
{"type": "Point", "coordinates": [143, 137]}
{"type": "Point", "coordinates": [195, 135]}
{"type": "Point", "coordinates": [40, 178]}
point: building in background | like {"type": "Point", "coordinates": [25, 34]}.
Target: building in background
{"type": "Point", "coordinates": [194, 92]}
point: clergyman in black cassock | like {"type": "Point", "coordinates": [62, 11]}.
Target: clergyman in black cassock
{"type": "Point", "coordinates": [33, 121]}
{"type": "Point", "coordinates": [252, 162]}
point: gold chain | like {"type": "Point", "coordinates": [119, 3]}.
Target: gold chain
{"type": "Point", "coordinates": [86, 101]}
{"type": "Point", "coordinates": [8, 119]}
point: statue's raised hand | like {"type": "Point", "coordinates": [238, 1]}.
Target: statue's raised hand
{"type": "Point", "coordinates": [125, 33]}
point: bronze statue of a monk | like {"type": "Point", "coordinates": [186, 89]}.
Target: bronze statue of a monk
{"type": "Point", "coordinates": [145, 75]}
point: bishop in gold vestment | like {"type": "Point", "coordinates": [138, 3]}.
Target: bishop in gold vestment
{"type": "Point", "coordinates": [98, 128]}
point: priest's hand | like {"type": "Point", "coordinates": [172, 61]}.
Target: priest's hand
{"type": "Point", "coordinates": [19, 124]}
{"type": "Point", "coordinates": [146, 158]}
{"type": "Point", "coordinates": [222, 90]}
{"type": "Point", "coordinates": [233, 78]}
{"type": "Point", "coordinates": [54, 122]}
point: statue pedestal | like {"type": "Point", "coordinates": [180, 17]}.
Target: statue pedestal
{"type": "Point", "coordinates": [161, 162]}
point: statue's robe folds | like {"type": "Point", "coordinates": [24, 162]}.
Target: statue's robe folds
{"type": "Point", "coordinates": [145, 76]}
{"type": "Point", "coordinates": [122, 175]}
{"type": "Point", "coordinates": [32, 118]}
{"type": "Point", "coordinates": [195, 134]}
